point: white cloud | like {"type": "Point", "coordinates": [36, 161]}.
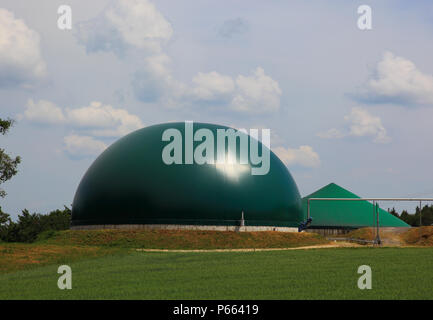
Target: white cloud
{"type": "Point", "coordinates": [158, 65]}
{"type": "Point", "coordinates": [303, 156]}
{"type": "Point", "coordinates": [154, 81]}
{"type": "Point", "coordinates": [96, 119]}
{"type": "Point", "coordinates": [256, 94]}
{"type": "Point", "coordinates": [212, 86]}
{"type": "Point", "coordinates": [138, 24]}
{"type": "Point", "coordinates": [398, 80]}
{"type": "Point", "coordinates": [104, 120]}
{"type": "Point", "coordinates": [43, 112]}
{"type": "Point", "coordinates": [20, 55]}
{"type": "Point", "coordinates": [82, 146]}
{"type": "Point", "coordinates": [126, 24]}
{"type": "Point", "coordinates": [135, 25]}
{"type": "Point", "coordinates": [360, 124]}
{"type": "Point", "coordinates": [331, 134]}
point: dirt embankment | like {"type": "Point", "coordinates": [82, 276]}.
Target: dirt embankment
{"type": "Point", "coordinates": [417, 236]}
{"type": "Point", "coordinates": [422, 236]}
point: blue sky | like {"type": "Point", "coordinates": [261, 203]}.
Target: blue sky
{"type": "Point", "coordinates": [344, 105]}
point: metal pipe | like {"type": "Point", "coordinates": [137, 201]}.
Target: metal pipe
{"type": "Point", "coordinates": [420, 221]}
{"type": "Point", "coordinates": [377, 224]}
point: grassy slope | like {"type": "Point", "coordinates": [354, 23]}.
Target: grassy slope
{"type": "Point", "coordinates": [398, 273]}
{"type": "Point", "coordinates": [66, 246]}
{"type": "Point", "coordinates": [19, 256]}
{"type": "Point", "coordinates": [183, 239]}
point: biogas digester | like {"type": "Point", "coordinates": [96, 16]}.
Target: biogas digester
{"type": "Point", "coordinates": [129, 183]}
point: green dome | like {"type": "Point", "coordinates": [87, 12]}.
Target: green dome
{"type": "Point", "coordinates": [130, 184]}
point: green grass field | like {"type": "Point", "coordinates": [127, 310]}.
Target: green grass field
{"type": "Point", "coordinates": [398, 273]}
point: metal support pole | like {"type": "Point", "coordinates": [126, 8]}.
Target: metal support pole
{"type": "Point", "coordinates": [375, 218]}
{"type": "Point", "coordinates": [308, 209]}
{"type": "Point", "coordinates": [377, 224]}
{"type": "Point", "coordinates": [420, 221]}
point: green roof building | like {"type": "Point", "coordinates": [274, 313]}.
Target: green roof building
{"type": "Point", "coordinates": [345, 214]}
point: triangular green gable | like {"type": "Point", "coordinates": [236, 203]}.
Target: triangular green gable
{"type": "Point", "coordinates": [353, 214]}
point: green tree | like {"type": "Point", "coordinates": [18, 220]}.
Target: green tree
{"type": "Point", "coordinates": [57, 219]}
{"type": "Point", "coordinates": [8, 165]}
{"type": "Point", "coordinates": [407, 217]}
{"type": "Point", "coordinates": [4, 224]}
{"type": "Point", "coordinates": [30, 225]}
{"type": "Point", "coordinates": [394, 212]}
{"type": "Point", "coordinates": [427, 215]}
{"type": "Point", "coordinates": [414, 218]}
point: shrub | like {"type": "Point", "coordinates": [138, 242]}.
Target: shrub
{"type": "Point", "coordinates": [29, 226]}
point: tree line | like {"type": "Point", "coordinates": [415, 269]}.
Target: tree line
{"type": "Point", "coordinates": [423, 217]}
{"type": "Point", "coordinates": [29, 226]}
